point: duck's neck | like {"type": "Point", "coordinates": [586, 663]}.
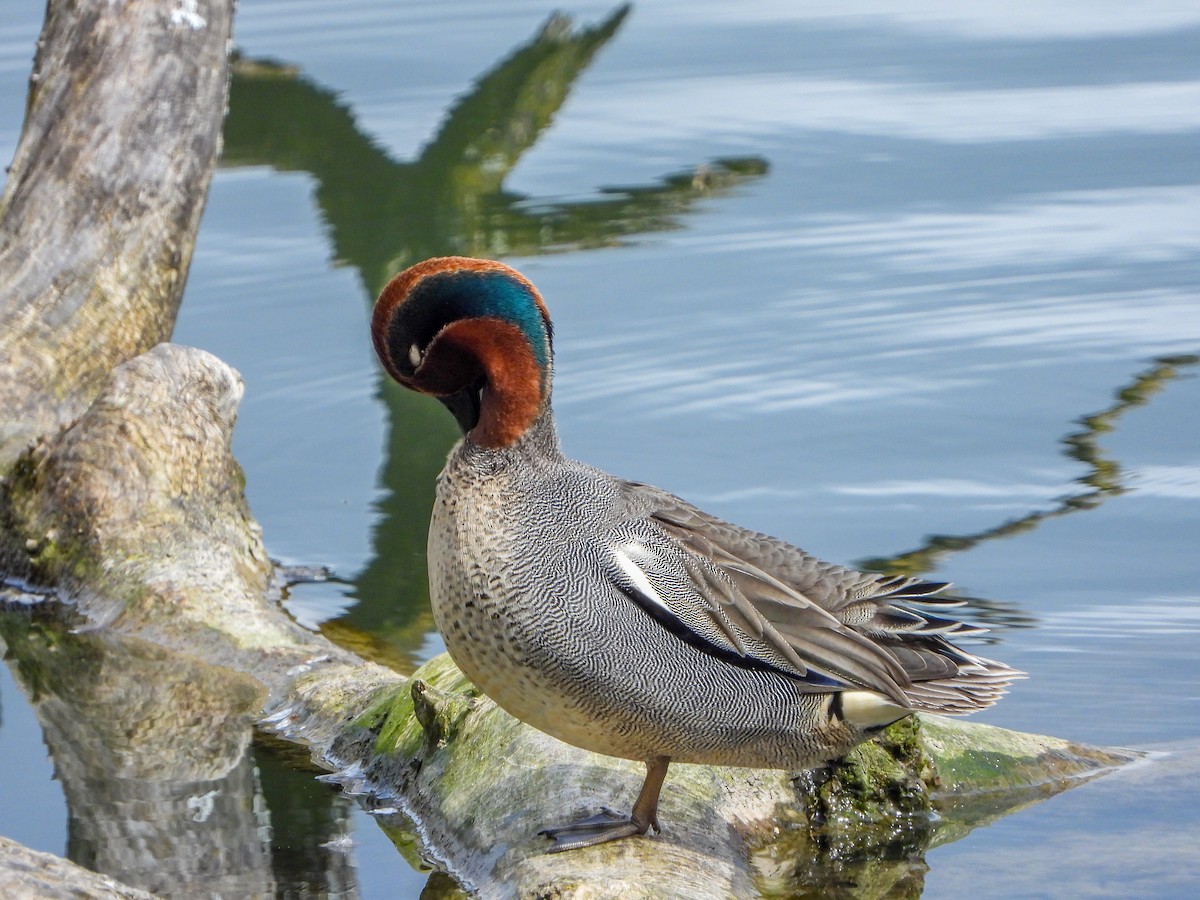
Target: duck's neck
{"type": "Point", "coordinates": [512, 383]}
{"type": "Point", "coordinates": [539, 442]}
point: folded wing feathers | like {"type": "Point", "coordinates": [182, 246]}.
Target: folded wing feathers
{"type": "Point", "coordinates": [776, 622]}
{"type": "Point", "coordinates": [723, 588]}
{"type": "Point", "coordinates": [738, 607]}
{"type": "Point", "coordinates": [973, 688]}
{"type": "Point", "coordinates": [854, 627]}
{"type": "Point", "coordinates": [701, 576]}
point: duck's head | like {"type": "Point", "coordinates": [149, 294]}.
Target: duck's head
{"type": "Point", "coordinates": [475, 334]}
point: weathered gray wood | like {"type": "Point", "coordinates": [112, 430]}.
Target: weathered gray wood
{"type": "Point", "coordinates": [28, 873]}
{"type": "Point", "coordinates": [136, 512]}
{"type": "Point", "coordinates": [99, 212]}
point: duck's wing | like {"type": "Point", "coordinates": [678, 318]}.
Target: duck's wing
{"type": "Point", "coordinates": [758, 601]}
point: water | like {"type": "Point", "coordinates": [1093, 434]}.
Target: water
{"type": "Point", "coordinates": [943, 235]}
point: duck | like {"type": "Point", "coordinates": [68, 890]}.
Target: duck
{"type": "Point", "coordinates": [618, 617]}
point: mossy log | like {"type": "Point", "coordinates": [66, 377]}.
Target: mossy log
{"type": "Point", "coordinates": [481, 785]}
{"type": "Point", "coordinates": [136, 512]}
{"type": "Point", "coordinates": [99, 212]}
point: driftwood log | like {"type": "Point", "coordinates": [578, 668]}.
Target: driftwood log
{"type": "Point", "coordinates": [121, 492]}
{"type": "Point", "coordinates": [28, 873]}
{"type": "Point", "coordinates": [99, 213]}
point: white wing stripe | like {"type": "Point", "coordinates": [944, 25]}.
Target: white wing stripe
{"type": "Point", "coordinates": [635, 574]}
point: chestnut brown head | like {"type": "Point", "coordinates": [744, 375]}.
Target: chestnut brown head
{"type": "Point", "coordinates": [475, 334]}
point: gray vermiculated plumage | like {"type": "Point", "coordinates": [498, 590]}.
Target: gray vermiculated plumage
{"type": "Point", "coordinates": [704, 658]}
{"type": "Point", "coordinates": [533, 609]}
{"type": "Point", "coordinates": [620, 618]}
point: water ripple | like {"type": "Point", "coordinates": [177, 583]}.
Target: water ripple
{"type": "Point", "coordinates": [757, 104]}
{"type": "Point", "coordinates": [981, 19]}
{"type": "Point", "coordinates": [1153, 616]}
{"type": "Point", "coordinates": [953, 487]}
{"type": "Point", "coordinates": [1138, 225]}
{"type": "Point", "coordinates": [1178, 482]}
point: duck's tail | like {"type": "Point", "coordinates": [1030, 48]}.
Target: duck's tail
{"type": "Point", "coordinates": [969, 682]}
{"type": "Point", "coordinates": [943, 678]}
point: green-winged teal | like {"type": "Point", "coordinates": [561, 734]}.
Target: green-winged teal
{"type": "Point", "coordinates": [620, 618]}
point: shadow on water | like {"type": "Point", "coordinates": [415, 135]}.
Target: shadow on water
{"type": "Point", "coordinates": [383, 215]}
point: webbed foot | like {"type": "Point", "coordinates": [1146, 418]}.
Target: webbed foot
{"type": "Point", "coordinates": [600, 828]}
{"type": "Point", "coordinates": [607, 825]}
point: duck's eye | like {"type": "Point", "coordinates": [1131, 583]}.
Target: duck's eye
{"type": "Point", "coordinates": [414, 355]}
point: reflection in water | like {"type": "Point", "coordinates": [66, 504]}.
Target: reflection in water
{"type": "Point", "coordinates": [311, 824]}
{"type": "Point", "coordinates": [1104, 479]}
{"type": "Point", "coordinates": [864, 855]}
{"type": "Point", "coordinates": [163, 787]}
{"type": "Point", "coordinates": [383, 215]}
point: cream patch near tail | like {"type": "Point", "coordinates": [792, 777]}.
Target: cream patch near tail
{"type": "Point", "coordinates": [868, 709]}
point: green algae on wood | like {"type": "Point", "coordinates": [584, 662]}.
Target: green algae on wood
{"type": "Point", "coordinates": [480, 785]}
{"type": "Point", "coordinates": [982, 758]}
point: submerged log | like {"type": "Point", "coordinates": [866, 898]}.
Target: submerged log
{"type": "Point", "coordinates": [99, 213]}
{"type": "Point", "coordinates": [136, 511]}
